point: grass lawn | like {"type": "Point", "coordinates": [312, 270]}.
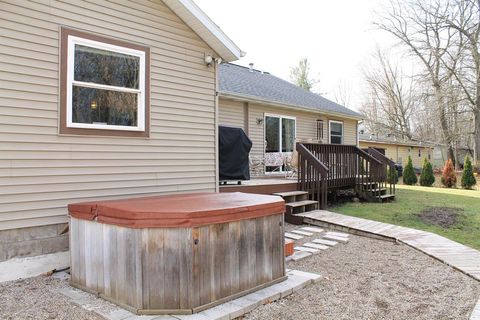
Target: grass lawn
{"type": "Point", "coordinates": [411, 200]}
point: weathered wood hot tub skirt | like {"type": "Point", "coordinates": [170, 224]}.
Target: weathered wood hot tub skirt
{"type": "Point", "coordinates": [177, 254]}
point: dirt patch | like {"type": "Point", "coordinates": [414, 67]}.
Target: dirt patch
{"type": "Point", "coordinates": [440, 216]}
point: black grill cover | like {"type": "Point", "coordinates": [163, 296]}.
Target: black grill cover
{"type": "Point", "coordinates": [234, 147]}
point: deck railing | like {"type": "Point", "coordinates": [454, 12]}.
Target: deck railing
{"type": "Point", "coordinates": [388, 169]}
{"type": "Point", "coordinates": [340, 166]}
{"type": "Point", "coordinates": [312, 175]}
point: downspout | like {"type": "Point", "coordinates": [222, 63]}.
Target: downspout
{"type": "Point", "coordinates": [217, 178]}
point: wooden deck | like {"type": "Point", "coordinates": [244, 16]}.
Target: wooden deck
{"type": "Point", "coordinates": [458, 256]}
{"type": "Point", "coordinates": [267, 185]}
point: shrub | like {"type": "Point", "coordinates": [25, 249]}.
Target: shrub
{"type": "Point", "coordinates": [409, 176]}
{"type": "Point", "coordinates": [426, 177]}
{"type": "Point", "coordinates": [392, 175]}
{"type": "Point", "coordinates": [449, 178]}
{"type": "Point", "coordinates": [468, 179]}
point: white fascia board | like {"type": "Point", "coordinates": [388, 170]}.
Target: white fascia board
{"type": "Point", "coordinates": [206, 29]}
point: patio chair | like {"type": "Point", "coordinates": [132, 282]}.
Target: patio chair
{"type": "Point", "coordinates": [291, 164]}
{"type": "Point", "coordinates": [274, 159]}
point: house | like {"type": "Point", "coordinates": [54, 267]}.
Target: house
{"type": "Point", "coordinates": [440, 155]}
{"type": "Point", "coordinates": [399, 150]}
{"type": "Point", "coordinates": [281, 118]}
{"type": "Point", "coordinates": [102, 100]}
{"type": "Point", "coordinates": [274, 113]}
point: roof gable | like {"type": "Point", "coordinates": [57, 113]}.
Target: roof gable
{"type": "Point", "coordinates": [205, 28]}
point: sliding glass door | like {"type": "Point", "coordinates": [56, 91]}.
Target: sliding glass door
{"type": "Point", "coordinates": [279, 141]}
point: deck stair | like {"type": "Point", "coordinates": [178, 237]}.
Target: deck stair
{"type": "Point", "coordinates": [370, 191]}
{"type": "Point", "coordinates": [296, 202]}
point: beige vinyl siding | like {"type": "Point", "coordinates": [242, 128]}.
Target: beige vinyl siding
{"type": "Point", "coordinates": [305, 125]}
{"type": "Point", "coordinates": [41, 171]}
{"type": "Point", "coordinates": [231, 113]}
{"type": "Point", "coordinates": [349, 130]}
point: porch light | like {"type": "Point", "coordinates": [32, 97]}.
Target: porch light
{"type": "Point", "coordinates": [208, 60]}
{"type": "Point", "coordinates": [93, 105]}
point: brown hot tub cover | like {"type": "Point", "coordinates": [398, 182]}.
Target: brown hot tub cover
{"type": "Point", "coordinates": [182, 210]}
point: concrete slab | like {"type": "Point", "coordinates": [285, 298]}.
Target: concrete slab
{"type": "Point", "coordinates": [303, 233]}
{"type": "Point", "coordinates": [314, 251]}
{"type": "Point", "coordinates": [340, 239]}
{"type": "Point", "coordinates": [476, 312]}
{"type": "Point", "coordinates": [230, 310]}
{"type": "Point", "coordinates": [293, 236]}
{"type": "Point", "coordinates": [325, 242]}
{"type": "Point", "coordinates": [337, 234]}
{"type": "Point", "coordinates": [19, 268]}
{"type": "Point", "coordinates": [315, 246]}
{"type": "Point", "coordinates": [298, 255]}
{"type": "Point", "coordinates": [313, 229]}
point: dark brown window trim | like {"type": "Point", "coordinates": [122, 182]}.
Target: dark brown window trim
{"type": "Point", "coordinates": [64, 33]}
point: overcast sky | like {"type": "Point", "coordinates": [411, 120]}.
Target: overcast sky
{"type": "Point", "coordinates": [337, 37]}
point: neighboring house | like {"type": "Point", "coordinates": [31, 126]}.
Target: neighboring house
{"type": "Point", "coordinates": [102, 100]}
{"type": "Point", "coordinates": [399, 150]}
{"type": "Point", "coordinates": [274, 113]}
{"type": "Point", "coordinates": [440, 155]}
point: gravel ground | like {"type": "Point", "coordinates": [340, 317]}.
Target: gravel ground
{"type": "Point", "coordinates": [37, 298]}
{"type": "Point", "coordinates": [362, 279]}
{"type": "Point", "coordinates": [374, 279]}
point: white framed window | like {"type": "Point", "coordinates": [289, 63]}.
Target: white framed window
{"type": "Point", "coordinates": [279, 133]}
{"type": "Point", "coordinates": [335, 132]}
{"type": "Point", "coordinates": [105, 86]}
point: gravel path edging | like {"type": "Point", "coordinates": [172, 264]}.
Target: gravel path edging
{"type": "Point", "coordinates": [433, 245]}
{"type": "Point", "coordinates": [476, 312]}
{"type": "Point", "coordinates": [423, 241]}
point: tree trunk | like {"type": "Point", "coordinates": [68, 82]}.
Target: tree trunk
{"type": "Point", "coordinates": [476, 134]}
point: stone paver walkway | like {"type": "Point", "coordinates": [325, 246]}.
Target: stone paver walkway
{"type": "Point", "coordinates": [458, 256]}
{"type": "Point", "coordinates": [229, 310]}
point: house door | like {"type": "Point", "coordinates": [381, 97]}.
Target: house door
{"type": "Point", "coordinates": [279, 141]}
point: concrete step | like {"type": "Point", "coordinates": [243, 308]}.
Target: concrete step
{"type": "Point", "coordinates": [315, 246]}
{"type": "Point", "coordinates": [293, 236]}
{"type": "Point", "coordinates": [325, 242]}
{"type": "Point", "coordinates": [335, 238]}
{"type": "Point", "coordinates": [312, 229]}
{"type": "Point", "coordinates": [311, 250]}
{"type": "Point", "coordinates": [298, 255]}
{"type": "Point", "coordinates": [303, 233]}
{"type": "Point", "coordinates": [337, 234]}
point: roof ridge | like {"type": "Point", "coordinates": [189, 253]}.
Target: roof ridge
{"type": "Point", "coordinates": [247, 68]}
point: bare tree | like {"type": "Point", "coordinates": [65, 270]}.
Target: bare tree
{"type": "Point", "coordinates": [342, 94]}
{"type": "Point", "coordinates": [393, 94]}
{"type": "Point", "coordinates": [419, 26]}
{"type": "Point", "coordinates": [464, 18]}
{"type": "Point", "coordinates": [372, 115]}
{"type": "Point", "coordinates": [300, 75]}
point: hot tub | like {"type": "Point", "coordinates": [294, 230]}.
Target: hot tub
{"type": "Point", "coordinates": [177, 254]}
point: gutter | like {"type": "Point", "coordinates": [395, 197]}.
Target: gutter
{"type": "Point", "coordinates": [395, 143]}
{"type": "Point", "coordinates": [255, 99]}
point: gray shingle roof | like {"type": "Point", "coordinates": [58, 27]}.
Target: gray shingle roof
{"type": "Point", "coordinates": [393, 140]}
{"type": "Point", "coordinates": [240, 81]}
